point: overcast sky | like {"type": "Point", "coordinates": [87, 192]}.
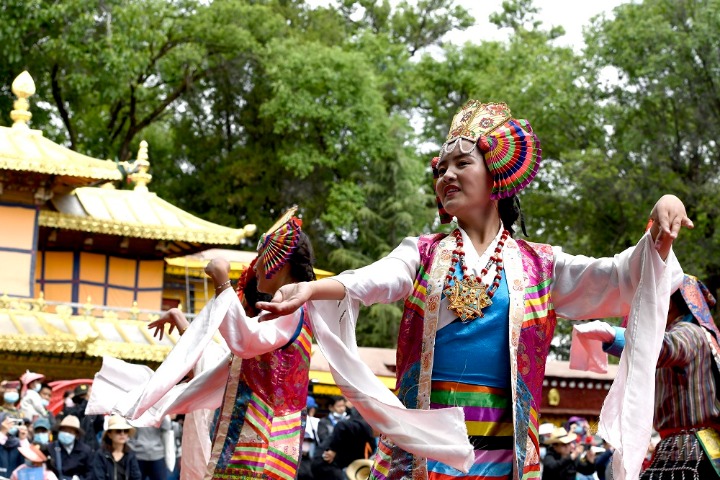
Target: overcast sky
{"type": "Point", "coordinates": [572, 15]}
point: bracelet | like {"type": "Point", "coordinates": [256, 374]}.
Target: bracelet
{"type": "Point", "coordinates": [222, 285]}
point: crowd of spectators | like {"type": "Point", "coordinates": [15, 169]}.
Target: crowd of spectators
{"type": "Point", "coordinates": [35, 444]}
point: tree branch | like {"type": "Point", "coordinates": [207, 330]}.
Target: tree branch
{"type": "Point", "coordinates": [64, 114]}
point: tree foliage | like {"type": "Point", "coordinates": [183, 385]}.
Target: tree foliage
{"type": "Point", "coordinates": [252, 106]}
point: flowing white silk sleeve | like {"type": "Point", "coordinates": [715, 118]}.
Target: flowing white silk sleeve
{"type": "Point", "coordinates": [439, 434]}
{"type": "Point", "coordinates": [246, 337]}
{"type": "Point", "coordinates": [585, 287]}
{"type": "Point", "coordinates": [638, 283]}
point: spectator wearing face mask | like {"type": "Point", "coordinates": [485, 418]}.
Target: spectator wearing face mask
{"type": "Point", "coordinates": [32, 403]}
{"type": "Point", "coordinates": [11, 395]}
{"type": "Point", "coordinates": [34, 460]}
{"type": "Point", "coordinates": [10, 457]}
{"type": "Point", "coordinates": [41, 432]}
{"type": "Point", "coordinates": [337, 413]}
{"type": "Point", "coordinates": [68, 456]}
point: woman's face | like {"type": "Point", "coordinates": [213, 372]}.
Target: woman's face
{"type": "Point", "coordinates": [464, 182]}
{"type": "Point", "coordinates": [119, 436]}
{"type": "Point", "coordinates": [277, 280]}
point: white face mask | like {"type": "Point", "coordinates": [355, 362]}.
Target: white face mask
{"type": "Point", "coordinates": [543, 452]}
{"type": "Point", "coordinates": [37, 387]}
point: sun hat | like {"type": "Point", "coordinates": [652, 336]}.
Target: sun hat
{"type": "Point", "coordinates": [71, 421]}
{"type": "Point", "coordinates": [32, 453]}
{"type": "Point", "coordinates": [359, 469]}
{"type": "Point", "coordinates": [546, 428]}
{"type": "Point", "coordinates": [116, 422]}
{"type": "Point", "coordinates": [560, 435]}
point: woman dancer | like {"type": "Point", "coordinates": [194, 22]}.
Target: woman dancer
{"type": "Point", "coordinates": [261, 388]}
{"type": "Point", "coordinates": [480, 306]}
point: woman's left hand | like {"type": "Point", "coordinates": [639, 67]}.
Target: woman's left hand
{"type": "Point", "coordinates": [668, 216]}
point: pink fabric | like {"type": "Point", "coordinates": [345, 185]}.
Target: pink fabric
{"type": "Point", "coordinates": [586, 351]}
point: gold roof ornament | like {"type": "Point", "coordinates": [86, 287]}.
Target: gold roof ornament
{"type": "Point", "coordinates": [23, 87]}
{"type": "Point", "coordinates": [140, 167]}
{"type": "Point", "coordinates": [26, 150]}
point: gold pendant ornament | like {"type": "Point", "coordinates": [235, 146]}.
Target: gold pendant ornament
{"type": "Point", "coordinates": [467, 299]}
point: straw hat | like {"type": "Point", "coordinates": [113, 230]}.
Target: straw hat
{"type": "Point", "coordinates": [359, 469]}
{"type": "Point", "coordinates": [71, 421]}
{"type": "Point", "coordinates": [546, 429]}
{"type": "Point", "coordinates": [116, 422]}
{"type": "Point", "coordinates": [32, 453]}
{"type": "Point", "coordinates": [560, 435]}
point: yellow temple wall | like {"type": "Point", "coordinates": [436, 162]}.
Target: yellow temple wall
{"type": "Point", "coordinates": [105, 279]}
{"type": "Point", "coordinates": [18, 244]}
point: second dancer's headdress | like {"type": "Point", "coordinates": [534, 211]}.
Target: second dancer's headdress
{"type": "Point", "coordinates": [279, 242]}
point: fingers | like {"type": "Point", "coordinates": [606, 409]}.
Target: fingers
{"type": "Point", "coordinates": [265, 316]}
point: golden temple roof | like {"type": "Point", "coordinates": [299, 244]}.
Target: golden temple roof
{"type": "Point", "coordinates": [26, 326]}
{"type": "Point", "coordinates": [136, 214]}
{"type": "Point", "coordinates": [26, 150]}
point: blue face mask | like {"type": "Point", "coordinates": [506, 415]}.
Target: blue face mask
{"type": "Point", "coordinates": [42, 438]}
{"type": "Point", "coordinates": [66, 438]}
{"type": "Point", "coordinates": [37, 387]}
{"type": "Point", "coordinates": [543, 452]}
{"type": "Point", "coordinates": [580, 430]}
{"type": "Point", "coordinates": [13, 431]}
{"type": "Point", "coordinates": [11, 397]}
{"type": "Point", "coordinates": [44, 402]}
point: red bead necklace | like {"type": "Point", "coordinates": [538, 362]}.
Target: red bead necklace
{"type": "Point", "coordinates": [468, 297]}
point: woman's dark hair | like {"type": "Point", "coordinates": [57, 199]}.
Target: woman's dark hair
{"type": "Point", "coordinates": [509, 210]}
{"type": "Point", "coordinates": [679, 302]}
{"type": "Point", "coordinates": [106, 443]}
{"type": "Point", "coordinates": [252, 296]}
{"type": "Point", "coordinates": [302, 260]}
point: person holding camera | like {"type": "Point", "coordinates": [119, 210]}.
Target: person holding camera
{"type": "Point", "coordinates": [566, 458]}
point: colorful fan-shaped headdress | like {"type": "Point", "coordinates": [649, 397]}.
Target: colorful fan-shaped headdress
{"type": "Point", "coordinates": [510, 147]}
{"type": "Point", "coordinates": [279, 242]}
{"type": "Point", "coordinates": [699, 301]}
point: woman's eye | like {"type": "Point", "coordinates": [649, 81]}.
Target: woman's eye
{"type": "Point", "coordinates": [442, 171]}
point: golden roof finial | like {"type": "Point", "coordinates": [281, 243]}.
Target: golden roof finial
{"type": "Point", "coordinates": [140, 169]}
{"type": "Point", "coordinates": [23, 87]}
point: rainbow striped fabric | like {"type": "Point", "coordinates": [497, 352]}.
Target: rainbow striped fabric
{"type": "Point", "coordinates": [488, 417]}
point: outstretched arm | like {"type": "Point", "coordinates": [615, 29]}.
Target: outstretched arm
{"type": "Point", "coordinates": [291, 297]}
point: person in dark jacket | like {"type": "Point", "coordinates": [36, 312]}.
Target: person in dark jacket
{"type": "Point", "coordinates": [114, 460]}
{"type": "Point", "coordinates": [92, 425]}
{"type": "Point", "coordinates": [563, 460]}
{"type": "Point", "coordinates": [10, 457]}
{"type": "Point", "coordinates": [68, 456]}
{"type": "Point", "coordinates": [352, 439]}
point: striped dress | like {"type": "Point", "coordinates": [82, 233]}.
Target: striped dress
{"type": "Point", "coordinates": [260, 426]}
{"type": "Point", "coordinates": [471, 369]}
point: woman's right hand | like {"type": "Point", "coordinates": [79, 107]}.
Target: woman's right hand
{"type": "Point", "coordinates": [174, 317]}
{"type": "Point", "coordinates": [286, 300]}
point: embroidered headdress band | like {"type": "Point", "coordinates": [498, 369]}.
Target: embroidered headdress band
{"type": "Point", "coordinates": [509, 146]}
{"type": "Point", "coordinates": [279, 242]}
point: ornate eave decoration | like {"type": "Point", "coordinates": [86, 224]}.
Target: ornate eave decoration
{"type": "Point", "coordinates": [225, 236]}
{"type": "Point", "coordinates": [23, 322]}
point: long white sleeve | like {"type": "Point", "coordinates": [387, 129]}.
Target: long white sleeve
{"type": "Point", "coordinates": [246, 337]}
{"type": "Point", "coordinates": [585, 287]}
{"type": "Point", "coordinates": [388, 280]}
